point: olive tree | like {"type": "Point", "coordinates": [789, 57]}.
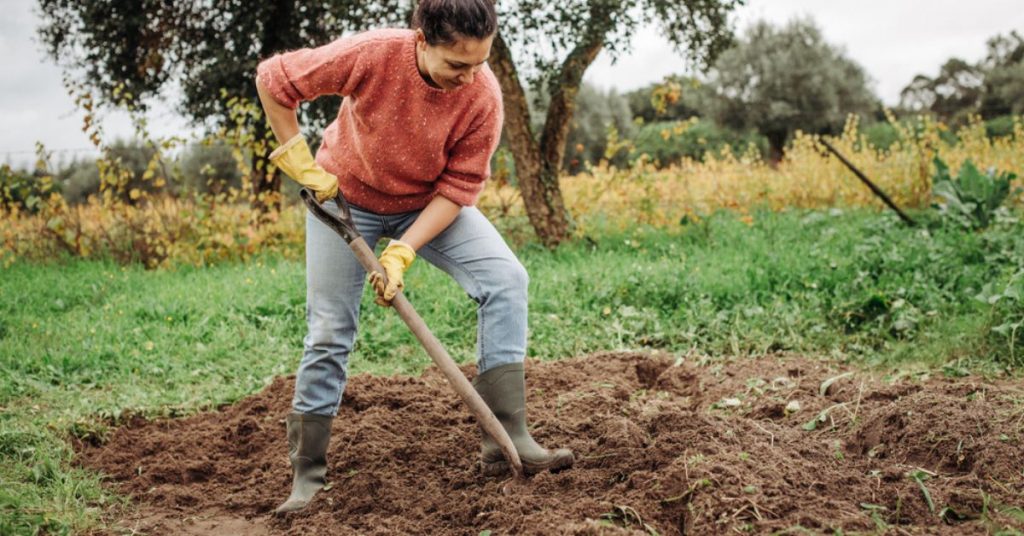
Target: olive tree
{"type": "Point", "coordinates": [992, 87]}
{"type": "Point", "coordinates": [551, 44]}
{"type": "Point", "coordinates": [1004, 76]}
{"type": "Point", "coordinates": [779, 79]}
{"type": "Point", "coordinates": [951, 95]}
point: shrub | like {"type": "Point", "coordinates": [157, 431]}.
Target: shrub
{"type": "Point", "coordinates": [22, 189]}
{"type": "Point", "coordinates": [972, 197]}
{"type": "Point", "coordinates": [670, 142]}
{"type": "Point", "coordinates": [881, 135]}
{"type": "Point", "coordinates": [209, 167]}
{"type": "Point", "coordinates": [1006, 321]}
{"type": "Point", "coordinates": [78, 180]}
{"type": "Point", "coordinates": [1000, 127]}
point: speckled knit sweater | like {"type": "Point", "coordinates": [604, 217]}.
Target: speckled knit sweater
{"type": "Point", "coordinates": [397, 141]}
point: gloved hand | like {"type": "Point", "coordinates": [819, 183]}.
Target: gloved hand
{"type": "Point", "coordinates": [395, 259]}
{"type": "Point", "coordinates": [295, 159]}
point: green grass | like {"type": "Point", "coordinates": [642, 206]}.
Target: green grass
{"type": "Point", "coordinates": [84, 344]}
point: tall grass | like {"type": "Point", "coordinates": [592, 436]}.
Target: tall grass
{"type": "Point", "coordinates": [807, 177]}
{"type": "Point", "coordinates": [129, 224]}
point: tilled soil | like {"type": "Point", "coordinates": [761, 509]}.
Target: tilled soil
{"type": "Point", "coordinates": [663, 445]}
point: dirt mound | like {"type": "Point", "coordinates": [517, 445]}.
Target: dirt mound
{"type": "Point", "coordinates": [663, 446]}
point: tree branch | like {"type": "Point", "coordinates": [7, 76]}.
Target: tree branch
{"type": "Point", "coordinates": [517, 111]}
{"type": "Point", "coordinates": [563, 97]}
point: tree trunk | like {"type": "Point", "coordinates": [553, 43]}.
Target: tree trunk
{"type": "Point", "coordinates": [541, 194]}
{"type": "Point", "coordinates": [266, 187]}
{"type": "Point", "coordinates": [563, 103]}
{"type": "Point", "coordinates": [277, 36]}
{"type": "Point", "coordinates": [776, 145]}
{"type": "Point", "coordinates": [538, 164]}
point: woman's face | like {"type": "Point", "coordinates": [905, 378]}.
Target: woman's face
{"type": "Point", "coordinates": [451, 65]}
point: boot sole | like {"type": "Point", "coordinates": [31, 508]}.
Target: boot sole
{"type": "Point", "coordinates": [291, 506]}
{"type": "Point", "coordinates": [501, 467]}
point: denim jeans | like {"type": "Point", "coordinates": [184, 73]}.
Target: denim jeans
{"type": "Point", "coordinates": [470, 250]}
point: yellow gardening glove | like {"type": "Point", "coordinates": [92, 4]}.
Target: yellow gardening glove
{"type": "Point", "coordinates": [395, 259]}
{"type": "Point", "coordinates": [295, 159]}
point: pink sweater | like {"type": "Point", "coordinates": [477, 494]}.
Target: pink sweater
{"type": "Point", "coordinates": [397, 142]}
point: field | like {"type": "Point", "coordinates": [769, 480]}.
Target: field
{"type": "Point", "coordinates": [768, 293]}
{"type": "Point", "coordinates": [760, 308]}
{"type": "Point", "coordinates": [729, 345]}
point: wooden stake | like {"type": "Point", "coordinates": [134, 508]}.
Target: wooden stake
{"type": "Point", "coordinates": [874, 189]}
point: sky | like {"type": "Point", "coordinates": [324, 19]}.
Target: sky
{"type": "Point", "coordinates": [893, 40]}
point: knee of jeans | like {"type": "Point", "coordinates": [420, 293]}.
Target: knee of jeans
{"type": "Point", "coordinates": [513, 278]}
{"type": "Point", "coordinates": [329, 333]}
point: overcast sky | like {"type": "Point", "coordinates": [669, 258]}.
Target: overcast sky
{"type": "Point", "coordinates": [892, 39]}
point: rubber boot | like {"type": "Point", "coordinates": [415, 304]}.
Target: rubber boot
{"type": "Point", "coordinates": [503, 388]}
{"type": "Point", "coordinates": [308, 436]}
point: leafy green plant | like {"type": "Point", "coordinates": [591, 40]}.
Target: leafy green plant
{"type": "Point", "coordinates": [22, 189]}
{"type": "Point", "coordinates": [973, 197]}
{"type": "Point", "coordinates": [27, 190]}
{"type": "Point", "coordinates": [1007, 302]}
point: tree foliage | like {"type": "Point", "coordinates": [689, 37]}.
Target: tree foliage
{"type": "Point", "coordinates": [597, 112]}
{"type": "Point", "coordinates": [690, 102]}
{"type": "Point", "coordinates": [1004, 76]}
{"type": "Point", "coordinates": [669, 142]}
{"type": "Point", "coordinates": [190, 51]}
{"type": "Point", "coordinates": [952, 94]}
{"type": "Point", "coordinates": [780, 79]}
{"type": "Point", "coordinates": [992, 87]}
{"type": "Point", "coordinates": [200, 56]}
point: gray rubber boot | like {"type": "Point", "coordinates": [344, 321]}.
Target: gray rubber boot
{"type": "Point", "coordinates": [504, 390]}
{"type": "Point", "coordinates": [308, 436]}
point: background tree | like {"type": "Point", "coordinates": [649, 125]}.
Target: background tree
{"type": "Point", "coordinates": [558, 42]}
{"type": "Point", "coordinates": [80, 178]}
{"type": "Point", "coordinates": [191, 51]}
{"type": "Point", "coordinates": [669, 142]}
{"type": "Point", "coordinates": [780, 79]}
{"type": "Point", "coordinates": [1003, 66]}
{"type": "Point", "coordinates": [208, 167]}
{"type": "Point", "coordinates": [992, 88]}
{"type": "Point", "coordinates": [692, 101]}
{"type": "Point", "coordinates": [951, 95]}
{"type": "Point", "coordinates": [597, 111]}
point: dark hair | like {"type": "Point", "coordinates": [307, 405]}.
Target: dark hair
{"type": "Point", "coordinates": [444, 21]}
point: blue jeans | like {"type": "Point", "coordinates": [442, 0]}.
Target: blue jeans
{"type": "Point", "coordinates": [470, 250]}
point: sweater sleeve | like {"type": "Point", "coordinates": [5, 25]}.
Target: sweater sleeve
{"type": "Point", "coordinates": [305, 74]}
{"type": "Point", "coordinates": [469, 161]}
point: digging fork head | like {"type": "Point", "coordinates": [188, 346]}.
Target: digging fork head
{"type": "Point", "coordinates": [342, 223]}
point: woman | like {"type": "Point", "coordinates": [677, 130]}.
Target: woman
{"type": "Point", "coordinates": [410, 151]}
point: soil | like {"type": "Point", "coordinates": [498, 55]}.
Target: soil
{"type": "Point", "coordinates": [663, 444]}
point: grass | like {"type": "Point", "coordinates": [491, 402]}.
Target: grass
{"type": "Point", "coordinates": [83, 344]}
